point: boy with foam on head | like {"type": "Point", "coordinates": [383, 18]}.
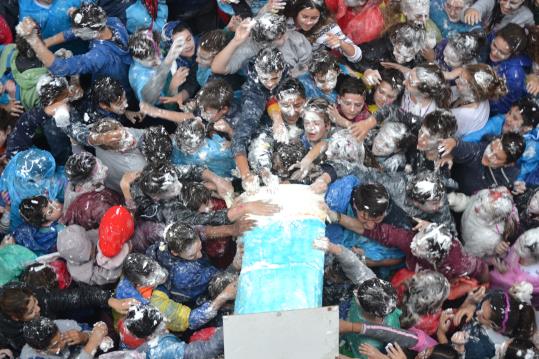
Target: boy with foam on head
{"type": "Point", "coordinates": [41, 227]}
{"type": "Point", "coordinates": [322, 77]}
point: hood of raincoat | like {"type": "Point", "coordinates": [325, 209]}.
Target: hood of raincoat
{"type": "Point", "coordinates": [77, 247]}
{"type": "Point", "coordinates": [88, 209]}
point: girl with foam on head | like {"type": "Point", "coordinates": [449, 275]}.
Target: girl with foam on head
{"type": "Point", "coordinates": [316, 122]}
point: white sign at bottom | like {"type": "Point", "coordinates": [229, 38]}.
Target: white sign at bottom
{"type": "Point", "coordinates": [292, 334]}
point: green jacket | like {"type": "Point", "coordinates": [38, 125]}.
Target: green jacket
{"type": "Point", "coordinates": [13, 260]}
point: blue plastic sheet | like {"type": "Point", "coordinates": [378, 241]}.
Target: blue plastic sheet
{"type": "Point", "coordinates": [281, 270]}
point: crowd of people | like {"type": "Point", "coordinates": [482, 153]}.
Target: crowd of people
{"type": "Point", "coordinates": [129, 129]}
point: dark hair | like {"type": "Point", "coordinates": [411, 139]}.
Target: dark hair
{"type": "Point", "coordinates": [79, 167]}
{"type": "Point", "coordinates": [216, 94]}
{"type": "Point", "coordinates": [24, 48]}
{"type": "Point", "coordinates": [394, 78]}
{"type": "Point", "coordinates": [89, 16]}
{"type": "Point", "coordinates": [416, 192]}
{"type": "Point", "coordinates": [495, 88]}
{"type": "Point", "coordinates": [467, 44]}
{"type": "Point", "coordinates": [142, 320]}
{"type": "Point", "coordinates": [103, 126]}
{"type": "Point", "coordinates": [38, 332]}
{"type": "Point", "coordinates": [293, 9]}
{"type": "Point", "coordinates": [179, 236]}
{"type": "Point", "coordinates": [440, 91]}
{"type": "Point", "coordinates": [268, 27]}
{"type": "Point", "coordinates": [511, 317]}
{"type": "Point", "coordinates": [408, 33]}
{"type": "Point", "coordinates": [440, 123]}
{"type": "Point", "coordinates": [376, 297]}
{"type": "Point", "coordinates": [289, 154]}
{"type": "Point", "coordinates": [444, 351]}
{"type": "Point", "coordinates": [270, 59]}
{"type": "Point", "coordinates": [40, 275]}
{"type": "Point", "coordinates": [529, 110]}
{"type": "Point", "coordinates": [181, 26]}
{"type": "Point", "coordinates": [51, 89]}
{"type": "Point", "coordinates": [372, 198]}
{"type": "Point", "coordinates": [532, 48]}
{"type": "Point", "coordinates": [156, 145]}
{"type": "Point", "coordinates": [142, 44]}
{"type": "Point", "coordinates": [352, 85]}
{"type": "Point", "coordinates": [515, 36]}
{"type": "Point", "coordinates": [519, 348]}
{"type": "Point", "coordinates": [194, 195]}
{"type": "Point", "coordinates": [214, 41]}
{"type": "Point", "coordinates": [322, 62]}
{"type": "Point", "coordinates": [153, 179]}
{"type": "Point", "coordinates": [513, 145]}
{"type": "Point", "coordinates": [32, 210]}
{"type": "Point", "coordinates": [107, 90]}
{"type": "Point", "coordinates": [190, 133]}
{"type": "Point", "coordinates": [290, 86]}
{"type": "Point", "coordinates": [14, 301]}
{"type": "Point", "coordinates": [219, 282]}
{"type": "Point", "coordinates": [137, 267]}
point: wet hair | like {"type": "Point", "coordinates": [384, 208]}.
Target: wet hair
{"type": "Point", "coordinates": [14, 301]}
{"type": "Point", "coordinates": [511, 317]}
{"type": "Point", "coordinates": [532, 48]}
{"type": "Point", "coordinates": [322, 62]}
{"type": "Point", "coordinates": [181, 26]}
{"type": "Point", "coordinates": [288, 154]}
{"type": "Point", "coordinates": [513, 145]}
{"type": "Point", "coordinates": [79, 167]}
{"type": "Point", "coordinates": [529, 110]}
{"type": "Point", "coordinates": [214, 41]}
{"type": "Point", "coordinates": [215, 94]}
{"type": "Point", "coordinates": [290, 86]}
{"type": "Point", "coordinates": [156, 145]}
{"type": "Point", "coordinates": [440, 123]}
{"type": "Point", "coordinates": [89, 16]}
{"type": "Point", "coordinates": [6, 120]}
{"type": "Point", "coordinates": [24, 48]}
{"type": "Point", "coordinates": [32, 210]}
{"type": "Point", "coordinates": [103, 126]}
{"type": "Point", "coordinates": [154, 178]}
{"type": "Point", "coordinates": [268, 27]}
{"type": "Point", "coordinates": [425, 186]}
{"type": "Point", "coordinates": [485, 83]}
{"type": "Point", "coordinates": [424, 293]}
{"type": "Point", "coordinates": [519, 348]}
{"type": "Point", "coordinates": [320, 107]}
{"type": "Point", "coordinates": [376, 297]}
{"type": "Point", "coordinates": [51, 89]}
{"type": "Point", "coordinates": [39, 332]}
{"type": "Point", "coordinates": [142, 320]}
{"type": "Point", "coordinates": [269, 60]}
{"type": "Point", "coordinates": [190, 133]}
{"type": "Point", "coordinates": [444, 351]}
{"type": "Point", "coordinates": [143, 44]}
{"type": "Point", "coordinates": [409, 34]}
{"type": "Point", "coordinates": [179, 236]}
{"type": "Point", "coordinates": [353, 86]}
{"type": "Point", "coordinates": [194, 195]}
{"type": "Point", "coordinates": [467, 44]}
{"type": "Point", "coordinates": [394, 78]}
{"type": "Point", "coordinates": [432, 83]}
{"type": "Point", "coordinates": [39, 275]}
{"type": "Point", "coordinates": [107, 90]}
{"type": "Point", "coordinates": [515, 36]}
{"type": "Point", "coordinates": [138, 267]}
{"type": "Point", "coordinates": [404, 137]}
{"type": "Point", "coordinates": [219, 282]}
{"type": "Point", "coordinates": [371, 198]}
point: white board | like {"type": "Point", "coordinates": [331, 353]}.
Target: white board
{"type": "Point", "coordinates": [297, 334]}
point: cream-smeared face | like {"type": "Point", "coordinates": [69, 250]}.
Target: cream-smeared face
{"type": "Point", "coordinates": [426, 141]}
{"type": "Point", "coordinates": [193, 252]}
{"type": "Point", "coordinates": [315, 127]}
{"type": "Point", "coordinates": [499, 50]}
{"type": "Point", "coordinates": [403, 53]}
{"type": "Point", "coordinates": [513, 121]}
{"type": "Point", "coordinates": [385, 142]}
{"type": "Point", "coordinates": [494, 155]}
{"type": "Point", "coordinates": [327, 81]}
{"type": "Point", "coordinates": [290, 105]}
{"type": "Point", "coordinates": [450, 56]}
{"type": "Point", "coordinates": [453, 9]}
{"type": "Point", "coordinates": [189, 46]}
{"type": "Point", "coordinates": [269, 80]}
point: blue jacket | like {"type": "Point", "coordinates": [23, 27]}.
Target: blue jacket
{"type": "Point", "coordinates": [514, 71]}
{"type": "Point", "coordinates": [104, 58]}
{"type": "Point", "coordinates": [312, 91]}
{"type": "Point", "coordinates": [529, 160]}
{"type": "Point", "coordinates": [139, 75]}
{"type": "Point", "coordinates": [30, 173]}
{"type": "Point", "coordinates": [439, 17]}
{"type": "Point", "coordinates": [39, 240]}
{"type": "Point", "coordinates": [138, 16]}
{"type": "Point", "coordinates": [115, 8]}
{"type": "Point", "coordinates": [52, 19]}
{"type": "Point", "coordinates": [187, 279]}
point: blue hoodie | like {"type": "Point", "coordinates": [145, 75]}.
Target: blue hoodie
{"type": "Point", "coordinates": [529, 160]}
{"type": "Point", "coordinates": [51, 19]}
{"type": "Point", "coordinates": [104, 58]}
{"type": "Point", "coordinates": [138, 16]}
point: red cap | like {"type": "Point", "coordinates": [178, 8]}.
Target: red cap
{"type": "Point", "coordinates": [116, 227]}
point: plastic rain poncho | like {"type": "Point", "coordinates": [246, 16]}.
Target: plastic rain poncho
{"type": "Point", "coordinates": [30, 173]}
